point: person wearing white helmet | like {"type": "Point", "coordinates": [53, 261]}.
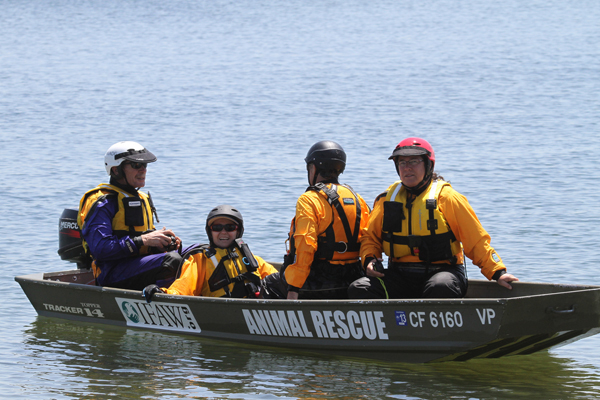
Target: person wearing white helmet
{"type": "Point", "coordinates": [117, 224]}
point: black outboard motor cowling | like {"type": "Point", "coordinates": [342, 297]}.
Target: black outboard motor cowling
{"type": "Point", "coordinates": [70, 247]}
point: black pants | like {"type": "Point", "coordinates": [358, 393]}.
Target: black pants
{"type": "Point", "coordinates": [273, 287]}
{"type": "Point", "coordinates": [412, 281]}
{"type": "Point", "coordinates": [328, 281]}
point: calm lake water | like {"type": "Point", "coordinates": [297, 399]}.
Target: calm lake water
{"type": "Point", "coordinates": [230, 95]}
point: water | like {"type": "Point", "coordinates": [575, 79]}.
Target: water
{"type": "Point", "coordinates": [230, 95]}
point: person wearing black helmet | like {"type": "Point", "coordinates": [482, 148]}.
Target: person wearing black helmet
{"type": "Point", "coordinates": [223, 268]}
{"type": "Point", "coordinates": [117, 224]}
{"type": "Point", "coordinates": [324, 239]}
{"type": "Point", "coordinates": [422, 224]}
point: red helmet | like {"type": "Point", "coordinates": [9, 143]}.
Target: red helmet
{"type": "Point", "coordinates": [414, 146]}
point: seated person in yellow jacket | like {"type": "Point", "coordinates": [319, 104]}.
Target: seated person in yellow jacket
{"type": "Point", "coordinates": [225, 267]}
{"type": "Point", "coordinates": [422, 224]}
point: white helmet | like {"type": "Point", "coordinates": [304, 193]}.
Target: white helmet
{"type": "Point", "coordinates": [132, 151]}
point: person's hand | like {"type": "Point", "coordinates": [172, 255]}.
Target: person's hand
{"type": "Point", "coordinates": [371, 270]}
{"type": "Point", "coordinates": [292, 295]}
{"type": "Point", "coordinates": [505, 280]}
{"type": "Point", "coordinates": [150, 290]}
{"type": "Point", "coordinates": [161, 239]}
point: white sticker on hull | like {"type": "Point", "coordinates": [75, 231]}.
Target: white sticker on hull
{"type": "Point", "coordinates": [158, 315]}
{"type": "Point", "coordinates": [326, 324]}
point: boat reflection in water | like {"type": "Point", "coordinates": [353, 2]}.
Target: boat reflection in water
{"type": "Point", "coordinates": [100, 361]}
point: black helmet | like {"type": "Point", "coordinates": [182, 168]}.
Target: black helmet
{"type": "Point", "coordinates": [225, 211]}
{"type": "Point", "coordinates": [327, 155]}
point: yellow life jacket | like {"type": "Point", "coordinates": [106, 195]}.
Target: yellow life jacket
{"type": "Point", "coordinates": [339, 242]}
{"type": "Point", "coordinates": [418, 230]}
{"type": "Point", "coordinates": [233, 271]}
{"type": "Point", "coordinates": [133, 217]}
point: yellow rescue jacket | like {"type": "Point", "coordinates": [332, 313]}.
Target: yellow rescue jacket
{"type": "Point", "coordinates": [418, 228]}
{"type": "Point", "coordinates": [198, 276]}
{"type": "Point", "coordinates": [133, 218]}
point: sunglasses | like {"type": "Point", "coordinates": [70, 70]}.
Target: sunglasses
{"type": "Point", "coordinates": [220, 227]}
{"type": "Point", "coordinates": [137, 165]}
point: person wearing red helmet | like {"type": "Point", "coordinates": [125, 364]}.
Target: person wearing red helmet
{"type": "Point", "coordinates": [425, 228]}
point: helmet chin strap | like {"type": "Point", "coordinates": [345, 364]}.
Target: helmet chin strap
{"type": "Point", "coordinates": [127, 182]}
{"type": "Point", "coordinates": [121, 175]}
{"type": "Point", "coordinates": [315, 176]}
{"type": "Point", "coordinates": [417, 190]}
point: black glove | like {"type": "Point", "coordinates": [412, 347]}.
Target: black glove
{"type": "Point", "coordinates": [173, 245]}
{"type": "Point", "coordinates": [378, 266]}
{"type": "Point", "coordinates": [150, 290]}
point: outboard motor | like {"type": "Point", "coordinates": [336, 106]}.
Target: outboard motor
{"type": "Point", "coordinates": [70, 247]}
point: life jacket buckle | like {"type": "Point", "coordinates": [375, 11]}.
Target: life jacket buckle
{"type": "Point", "coordinates": [345, 247]}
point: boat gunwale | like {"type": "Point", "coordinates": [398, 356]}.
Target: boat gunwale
{"type": "Point", "coordinates": [41, 278]}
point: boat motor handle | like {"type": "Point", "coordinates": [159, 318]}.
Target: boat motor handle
{"type": "Point", "coordinates": [557, 310]}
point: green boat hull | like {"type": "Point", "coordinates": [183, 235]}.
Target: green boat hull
{"type": "Point", "coordinates": [490, 322]}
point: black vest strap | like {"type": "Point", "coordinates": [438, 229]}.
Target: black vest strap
{"type": "Point", "coordinates": [431, 248]}
{"type": "Point", "coordinates": [432, 223]}
{"type": "Point", "coordinates": [247, 256]}
{"type": "Point", "coordinates": [290, 257]}
{"type": "Point", "coordinates": [152, 208]}
{"type": "Point", "coordinates": [328, 245]}
{"type": "Point", "coordinates": [414, 240]}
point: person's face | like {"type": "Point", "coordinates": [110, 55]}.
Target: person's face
{"type": "Point", "coordinates": [223, 238]}
{"type": "Point", "coordinates": [411, 175]}
{"type": "Point", "coordinates": [135, 173]}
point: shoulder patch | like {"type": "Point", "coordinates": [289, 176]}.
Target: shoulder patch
{"type": "Point", "coordinates": [348, 200]}
{"type": "Point", "coordinates": [380, 196]}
